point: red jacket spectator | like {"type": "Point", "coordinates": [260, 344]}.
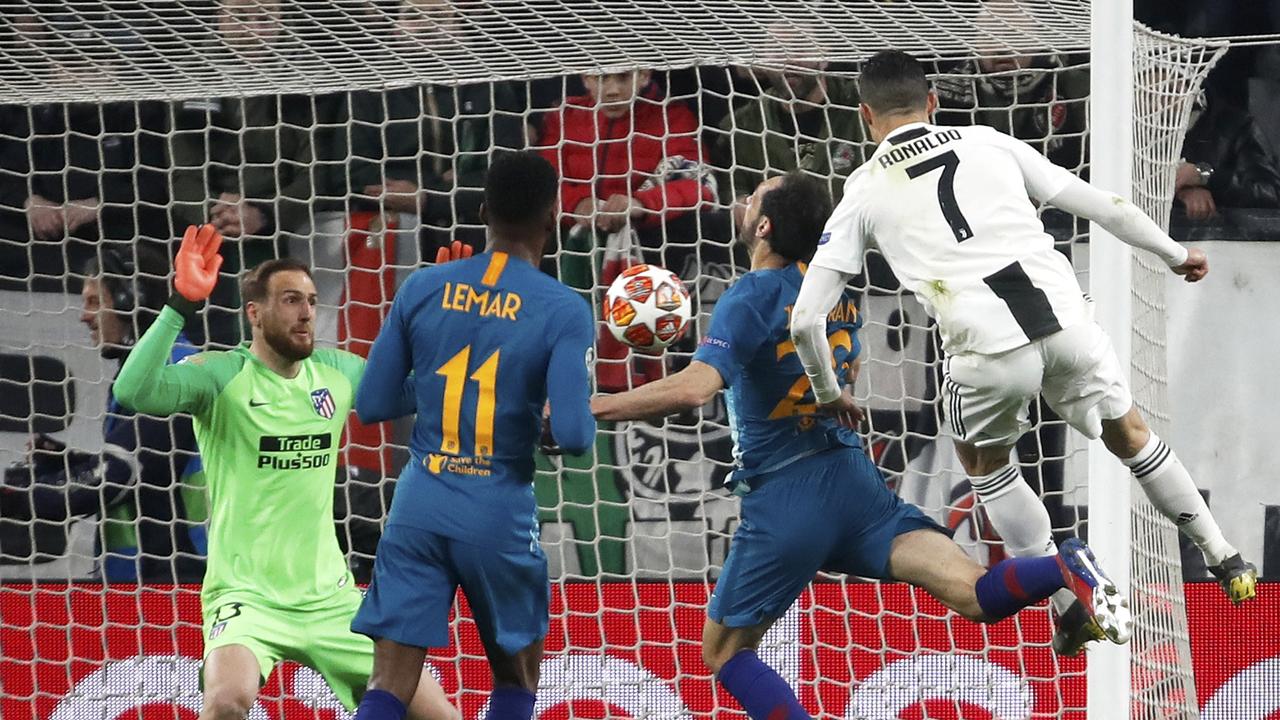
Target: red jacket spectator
{"type": "Point", "coordinates": [603, 156]}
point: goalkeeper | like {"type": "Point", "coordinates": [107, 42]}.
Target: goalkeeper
{"type": "Point", "coordinates": [268, 418]}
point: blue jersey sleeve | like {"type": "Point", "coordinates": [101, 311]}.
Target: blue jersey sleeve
{"type": "Point", "coordinates": [384, 392]}
{"type": "Point", "coordinates": [736, 333]}
{"type": "Point", "coordinates": [568, 385]}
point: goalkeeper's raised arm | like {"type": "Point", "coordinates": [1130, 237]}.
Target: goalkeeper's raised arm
{"type": "Point", "coordinates": [146, 382]}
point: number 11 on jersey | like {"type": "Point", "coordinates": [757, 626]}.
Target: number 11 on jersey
{"type": "Point", "coordinates": [454, 372]}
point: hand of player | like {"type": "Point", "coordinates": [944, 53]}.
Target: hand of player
{"type": "Point", "coordinates": [197, 263]}
{"type": "Point", "coordinates": [547, 442]}
{"type": "Point", "coordinates": [456, 250]}
{"type": "Point", "coordinates": [844, 409]}
{"type": "Point", "coordinates": [1196, 266]}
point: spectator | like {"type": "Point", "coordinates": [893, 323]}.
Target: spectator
{"type": "Point", "coordinates": [624, 155]}
{"type": "Point", "coordinates": [1225, 162]}
{"type": "Point", "coordinates": [631, 166]}
{"type": "Point", "coordinates": [804, 120]}
{"type": "Point", "coordinates": [243, 163]}
{"type": "Point", "coordinates": [73, 174]}
{"type": "Point", "coordinates": [440, 138]}
{"type": "Point", "coordinates": [134, 481]}
{"type": "Point", "coordinates": [1040, 99]}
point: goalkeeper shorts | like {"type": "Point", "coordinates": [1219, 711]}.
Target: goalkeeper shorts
{"type": "Point", "coordinates": [319, 638]}
{"type": "Point", "coordinates": [831, 511]}
{"type": "Point", "coordinates": [416, 574]}
{"type": "Point", "coordinates": [987, 397]}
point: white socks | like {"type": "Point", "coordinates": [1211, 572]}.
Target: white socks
{"type": "Point", "coordinates": [1020, 518]}
{"type": "Point", "coordinates": [1169, 487]}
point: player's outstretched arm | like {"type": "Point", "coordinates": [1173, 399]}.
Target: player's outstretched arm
{"type": "Point", "coordinates": [146, 383]}
{"type": "Point", "coordinates": [692, 387]}
{"type": "Point", "coordinates": [384, 392]}
{"type": "Point", "coordinates": [1058, 187]}
{"type": "Point", "coordinates": [568, 385]}
{"type": "Point", "coordinates": [819, 293]}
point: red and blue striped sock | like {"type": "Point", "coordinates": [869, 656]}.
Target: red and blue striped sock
{"type": "Point", "coordinates": [761, 691]}
{"type": "Point", "coordinates": [1016, 583]}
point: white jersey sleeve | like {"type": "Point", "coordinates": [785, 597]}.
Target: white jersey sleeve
{"type": "Point", "coordinates": [844, 237]}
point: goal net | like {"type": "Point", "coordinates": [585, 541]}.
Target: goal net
{"type": "Point", "coordinates": [354, 134]}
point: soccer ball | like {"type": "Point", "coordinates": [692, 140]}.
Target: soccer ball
{"type": "Point", "coordinates": [647, 307]}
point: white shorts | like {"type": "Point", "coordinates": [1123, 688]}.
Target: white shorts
{"type": "Point", "coordinates": [987, 397]}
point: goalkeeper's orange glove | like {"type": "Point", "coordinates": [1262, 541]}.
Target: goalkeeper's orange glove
{"type": "Point", "coordinates": [455, 251]}
{"type": "Point", "coordinates": [196, 266]}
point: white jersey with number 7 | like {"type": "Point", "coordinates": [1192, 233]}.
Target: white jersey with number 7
{"type": "Point", "coordinates": [950, 209]}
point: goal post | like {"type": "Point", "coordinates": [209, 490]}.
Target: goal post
{"type": "Point", "coordinates": [112, 114]}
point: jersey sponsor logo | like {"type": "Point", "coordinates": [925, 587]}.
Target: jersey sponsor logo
{"type": "Point", "coordinates": [715, 342]}
{"type": "Point", "coordinates": [458, 465]}
{"type": "Point", "coordinates": [929, 142]}
{"type": "Point", "coordinates": [295, 452]}
{"type": "Point", "coordinates": [322, 402]}
{"type": "Point", "coordinates": [461, 297]}
{"type": "Point", "coordinates": [824, 238]}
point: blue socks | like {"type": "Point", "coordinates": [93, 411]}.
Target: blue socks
{"type": "Point", "coordinates": [761, 691]}
{"type": "Point", "coordinates": [510, 703]}
{"type": "Point", "coordinates": [380, 705]}
{"type": "Point", "coordinates": [1016, 583]}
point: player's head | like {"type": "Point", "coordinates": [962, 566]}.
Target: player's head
{"type": "Point", "coordinates": [520, 197]}
{"type": "Point", "coordinates": [280, 300]}
{"type": "Point", "coordinates": [788, 213]}
{"type": "Point", "coordinates": [613, 92]}
{"type": "Point", "coordinates": [124, 288]}
{"type": "Point", "coordinates": [894, 89]}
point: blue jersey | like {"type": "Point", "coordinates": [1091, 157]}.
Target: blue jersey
{"type": "Point", "coordinates": [489, 340]}
{"type": "Point", "coordinates": [771, 406]}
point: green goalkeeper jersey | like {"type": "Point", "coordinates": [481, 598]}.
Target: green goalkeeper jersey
{"type": "Point", "coordinates": [270, 447]}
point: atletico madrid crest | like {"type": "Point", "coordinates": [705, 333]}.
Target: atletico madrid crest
{"type": "Point", "coordinates": [322, 401]}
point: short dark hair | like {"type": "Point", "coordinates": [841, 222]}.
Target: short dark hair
{"type": "Point", "coordinates": [893, 82]}
{"type": "Point", "coordinates": [797, 209]}
{"type": "Point", "coordinates": [253, 286]}
{"type": "Point", "coordinates": [135, 275]}
{"type": "Point", "coordinates": [520, 188]}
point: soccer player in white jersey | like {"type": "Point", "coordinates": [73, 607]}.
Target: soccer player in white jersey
{"type": "Point", "coordinates": [951, 210]}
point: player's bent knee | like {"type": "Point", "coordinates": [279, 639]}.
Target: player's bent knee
{"type": "Point", "coordinates": [227, 704]}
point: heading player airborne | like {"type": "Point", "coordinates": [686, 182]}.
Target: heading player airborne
{"type": "Point", "coordinates": [950, 209]}
{"type": "Point", "coordinates": [268, 420]}
{"type": "Point", "coordinates": [489, 340]}
{"type": "Point", "coordinates": [811, 498]}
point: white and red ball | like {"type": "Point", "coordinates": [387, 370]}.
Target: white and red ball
{"type": "Point", "coordinates": [647, 307]}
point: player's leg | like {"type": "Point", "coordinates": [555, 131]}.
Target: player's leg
{"type": "Point", "coordinates": [242, 644]}
{"type": "Point", "coordinates": [509, 597]}
{"type": "Point", "coordinates": [987, 399]}
{"type": "Point", "coordinates": [790, 527]}
{"type": "Point", "coordinates": [351, 663]}
{"type": "Point", "coordinates": [1085, 384]}
{"type": "Point", "coordinates": [231, 678]}
{"type": "Point", "coordinates": [932, 561]}
{"type": "Point", "coordinates": [405, 610]}
{"type": "Point", "coordinates": [1171, 490]}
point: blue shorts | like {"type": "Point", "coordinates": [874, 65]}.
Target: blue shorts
{"type": "Point", "coordinates": [831, 511]}
{"type": "Point", "coordinates": [416, 574]}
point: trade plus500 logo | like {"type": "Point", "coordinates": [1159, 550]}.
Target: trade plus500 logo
{"type": "Point", "coordinates": [295, 452]}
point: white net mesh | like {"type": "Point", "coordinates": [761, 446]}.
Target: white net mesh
{"type": "Point", "coordinates": [354, 135]}
{"type": "Point", "coordinates": [1168, 73]}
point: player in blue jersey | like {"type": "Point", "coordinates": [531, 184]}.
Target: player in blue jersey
{"type": "Point", "coordinates": [811, 498]}
{"type": "Point", "coordinates": [490, 340]}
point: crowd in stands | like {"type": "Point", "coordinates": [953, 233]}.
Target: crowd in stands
{"type": "Point", "coordinates": [654, 166]}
